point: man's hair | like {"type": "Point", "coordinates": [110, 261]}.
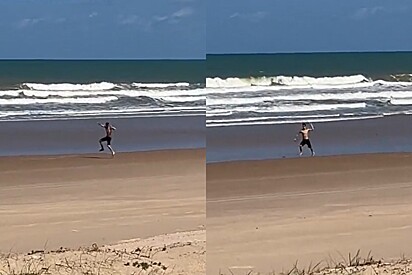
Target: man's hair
{"type": "Point", "coordinates": [107, 123]}
{"type": "Point", "coordinates": [303, 124]}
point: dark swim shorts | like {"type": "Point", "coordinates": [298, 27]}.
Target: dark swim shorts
{"type": "Point", "coordinates": [106, 138]}
{"type": "Point", "coordinates": [306, 142]}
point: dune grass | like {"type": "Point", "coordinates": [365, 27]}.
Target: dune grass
{"type": "Point", "coordinates": [351, 264]}
{"type": "Point", "coordinates": [84, 261]}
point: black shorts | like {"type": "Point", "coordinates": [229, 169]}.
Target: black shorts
{"type": "Point", "coordinates": [108, 139]}
{"type": "Point", "coordinates": [306, 142]}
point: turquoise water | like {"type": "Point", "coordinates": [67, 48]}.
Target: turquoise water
{"type": "Point", "coordinates": [377, 64]}
{"type": "Point", "coordinates": [89, 71]}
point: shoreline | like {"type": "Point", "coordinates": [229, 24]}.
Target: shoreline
{"type": "Point", "coordinates": [102, 155]}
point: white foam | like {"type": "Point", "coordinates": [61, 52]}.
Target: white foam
{"type": "Point", "coordinates": [159, 94]}
{"type": "Point", "coordinates": [237, 101]}
{"type": "Point", "coordinates": [293, 121]}
{"type": "Point", "coordinates": [295, 81]}
{"type": "Point", "coordinates": [79, 100]}
{"type": "Point", "coordinates": [120, 115]}
{"type": "Point", "coordinates": [184, 99]}
{"type": "Point", "coordinates": [161, 85]}
{"type": "Point", "coordinates": [278, 83]}
{"type": "Point", "coordinates": [71, 87]}
{"type": "Point", "coordinates": [345, 95]}
{"type": "Point", "coordinates": [269, 118]}
{"type": "Point", "coordinates": [212, 113]}
{"type": "Point", "coordinates": [341, 96]}
{"type": "Point", "coordinates": [96, 113]}
{"type": "Point", "coordinates": [397, 101]}
{"type": "Point", "coordinates": [297, 108]}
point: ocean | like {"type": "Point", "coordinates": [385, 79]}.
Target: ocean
{"type": "Point", "coordinates": [73, 89]}
{"type": "Point", "coordinates": [260, 89]}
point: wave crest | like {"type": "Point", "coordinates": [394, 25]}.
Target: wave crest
{"type": "Point", "coordinates": [292, 81]}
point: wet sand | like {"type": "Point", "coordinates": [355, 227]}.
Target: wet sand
{"type": "Point", "coordinates": [265, 215]}
{"type": "Point", "coordinates": [380, 135]}
{"type": "Point", "coordinates": [79, 136]}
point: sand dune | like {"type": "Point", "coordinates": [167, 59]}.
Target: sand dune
{"type": "Point", "coordinates": [182, 253]}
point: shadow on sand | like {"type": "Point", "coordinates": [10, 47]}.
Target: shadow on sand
{"type": "Point", "coordinates": [97, 157]}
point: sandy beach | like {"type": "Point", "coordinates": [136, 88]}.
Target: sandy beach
{"type": "Point", "coordinates": [265, 215]}
{"type": "Point", "coordinates": [49, 202]}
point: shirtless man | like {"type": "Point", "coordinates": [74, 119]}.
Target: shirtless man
{"type": "Point", "coordinates": [108, 138]}
{"type": "Point", "coordinates": [304, 132]}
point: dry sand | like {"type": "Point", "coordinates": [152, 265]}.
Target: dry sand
{"type": "Point", "coordinates": [177, 253]}
{"type": "Point", "coordinates": [48, 202]}
{"type": "Point", "coordinates": [265, 215]}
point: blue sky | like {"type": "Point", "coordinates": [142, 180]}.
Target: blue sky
{"type": "Point", "coordinates": [125, 29]}
{"type": "Point", "coordinates": [268, 26]}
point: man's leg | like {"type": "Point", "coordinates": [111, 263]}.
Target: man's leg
{"type": "Point", "coordinates": [101, 144]}
{"type": "Point", "coordinates": [111, 150]}
{"type": "Point", "coordinates": [109, 140]}
{"type": "Point", "coordinates": [311, 148]}
{"type": "Point", "coordinates": [300, 150]}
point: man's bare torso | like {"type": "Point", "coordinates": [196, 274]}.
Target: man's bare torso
{"type": "Point", "coordinates": [304, 133]}
{"type": "Point", "coordinates": [109, 131]}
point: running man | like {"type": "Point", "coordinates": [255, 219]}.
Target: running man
{"type": "Point", "coordinates": [304, 132]}
{"type": "Point", "coordinates": [108, 138]}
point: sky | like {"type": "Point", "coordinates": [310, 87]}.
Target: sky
{"type": "Point", "coordinates": [274, 26]}
{"type": "Point", "coordinates": [102, 29]}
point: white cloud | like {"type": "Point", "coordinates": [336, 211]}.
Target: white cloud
{"type": "Point", "coordinates": [184, 12]}
{"type": "Point", "coordinates": [251, 17]}
{"type": "Point", "coordinates": [27, 22]}
{"type": "Point", "coordinates": [236, 14]}
{"type": "Point", "coordinates": [128, 20]}
{"type": "Point", "coordinates": [93, 14]}
{"type": "Point", "coordinates": [146, 24]}
{"type": "Point", "coordinates": [135, 20]}
{"type": "Point", "coordinates": [175, 17]}
{"type": "Point", "coordinates": [366, 12]}
{"type": "Point", "coordinates": [160, 18]}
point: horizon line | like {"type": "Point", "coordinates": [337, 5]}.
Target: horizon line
{"type": "Point", "coordinates": [100, 59]}
{"type": "Point", "coordinates": [310, 52]}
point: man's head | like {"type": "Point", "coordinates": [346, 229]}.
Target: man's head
{"type": "Point", "coordinates": [107, 124]}
{"type": "Point", "coordinates": [303, 125]}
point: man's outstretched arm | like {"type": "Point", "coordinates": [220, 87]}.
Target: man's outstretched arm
{"type": "Point", "coordinates": [101, 125]}
{"type": "Point", "coordinates": [114, 128]}
{"type": "Point", "coordinates": [311, 127]}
